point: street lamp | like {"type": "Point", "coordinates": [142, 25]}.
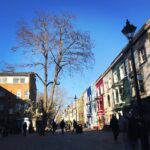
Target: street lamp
{"type": "Point", "coordinates": [75, 98]}
{"type": "Point", "coordinates": [129, 31]}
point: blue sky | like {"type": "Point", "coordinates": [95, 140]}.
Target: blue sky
{"type": "Point", "coordinates": [104, 19]}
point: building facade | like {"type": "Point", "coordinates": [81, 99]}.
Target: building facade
{"type": "Point", "coordinates": [108, 95]}
{"type": "Point", "coordinates": [15, 90]}
{"type": "Point", "coordinates": [115, 87]}
{"type": "Point", "coordinates": [100, 101]}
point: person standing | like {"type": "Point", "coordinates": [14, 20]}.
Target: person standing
{"type": "Point", "coordinates": [115, 127]}
{"type": "Point", "coordinates": [62, 126]}
{"type": "Point", "coordinates": [24, 129]}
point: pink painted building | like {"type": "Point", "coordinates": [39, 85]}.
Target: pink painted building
{"type": "Point", "coordinates": [100, 102]}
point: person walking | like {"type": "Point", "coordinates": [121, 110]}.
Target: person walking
{"type": "Point", "coordinates": [62, 126]}
{"type": "Point", "coordinates": [123, 128]}
{"type": "Point", "coordinates": [74, 126]}
{"type": "Point", "coordinates": [24, 129]}
{"type": "Point", "coordinates": [134, 131]}
{"type": "Point", "coordinates": [114, 126]}
{"type": "Point", "coordinates": [54, 126]}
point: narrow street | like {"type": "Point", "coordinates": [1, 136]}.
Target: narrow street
{"type": "Point", "coordinates": [89, 140]}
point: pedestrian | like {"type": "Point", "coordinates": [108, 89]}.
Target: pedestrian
{"type": "Point", "coordinates": [114, 126]}
{"type": "Point", "coordinates": [129, 126]}
{"type": "Point", "coordinates": [24, 129]}
{"type": "Point", "coordinates": [31, 130]}
{"type": "Point", "coordinates": [123, 128]}
{"type": "Point", "coordinates": [133, 132]}
{"type": "Point", "coordinates": [54, 126]}
{"type": "Point", "coordinates": [74, 126]}
{"type": "Point", "coordinates": [62, 126]}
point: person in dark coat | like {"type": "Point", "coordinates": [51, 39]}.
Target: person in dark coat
{"type": "Point", "coordinates": [114, 126]}
{"type": "Point", "coordinates": [62, 126]}
{"type": "Point", "coordinates": [54, 126]}
{"type": "Point", "coordinates": [74, 126]}
{"type": "Point", "coordinates": [133, 131]}
{"type": "Point", "coordinates": [24, 129]}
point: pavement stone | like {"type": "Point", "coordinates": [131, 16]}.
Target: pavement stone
{"type": "Point", "coordinates": [88, 140]}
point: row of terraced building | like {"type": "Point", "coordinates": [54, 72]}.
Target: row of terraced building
{"type": "Point", "coordinates": [115, 87]}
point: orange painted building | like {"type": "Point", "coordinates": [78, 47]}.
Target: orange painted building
{"type": "Point", "coordinates": [15, 90]}
{"type": "Point", "coordinates": [23, 85]}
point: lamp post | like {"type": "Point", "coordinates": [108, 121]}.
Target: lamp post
{"type": "Point", "coordinates": [129, 31]}
{"type": "Point", "coordinates": [75, 98]}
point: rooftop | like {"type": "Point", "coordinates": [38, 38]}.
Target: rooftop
{"type": "Point", "coordinates": [15, 73]}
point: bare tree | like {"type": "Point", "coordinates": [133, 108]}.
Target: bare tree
{"type": "Point", "coordinates": [72, 48]}
{"type": "Point", "coordinates": [60, 101]}
{"type": "Point", "coordinates": [56, 45]}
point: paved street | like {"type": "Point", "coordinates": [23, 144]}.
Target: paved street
{"type": "Point", "coordinates": [91, 140]}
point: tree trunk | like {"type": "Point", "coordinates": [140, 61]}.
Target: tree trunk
{"type": "Point", "coordinates": [45, 81]}
{"type": "Point", "coordinates": [52, 91]}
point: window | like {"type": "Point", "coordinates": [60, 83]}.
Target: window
{"type": "Point", "coordinates": [18, 80]}
{"type": "Point", "coordinates": [3, 80]}
{"type": "Point", "coordinates": [113, 95]}
{"type": "Point", "coordinates": [141, 84]}
{"type": "Point", "coordinates": [130, 65]}
{"type": "Point", "coordinates": [89, 108]}
{"type": "Point", "coordinates": [101, 105]}
{"type": "Point", "coordinates": [108, 100]}
{"type": "Point", "coordinates": [122, 71]}
{"type": "Point", "coordinates": [18, 93]}
{"type": "Point", "coordinates": [132, 88]}
{"type": "Point", "coordinates": [15, 80]}
{"type": "Point", "coordinates": [101, 90]}
{"type": "Point", "coordinates": [117, 96]}
{"type": "Point", "coordinates": [94, 105]}
{"type": "Point", "coordinates": [121, 90]}
{"type": "Point", "coordinates": [109, 83]}
{"type": "Point", "coordinates": [26, 94]}
{"type": "Point", "coordinates": [98, 105]}
{"type": "Point", "coordinates": [22, 80]}
{"type": "Point", "coordinates": [142, 55]}
{"type": "Point", "coordinates": [115, 77]}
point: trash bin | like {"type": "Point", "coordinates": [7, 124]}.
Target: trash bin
{"type": "Point", "coordinates": [79, 128]}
